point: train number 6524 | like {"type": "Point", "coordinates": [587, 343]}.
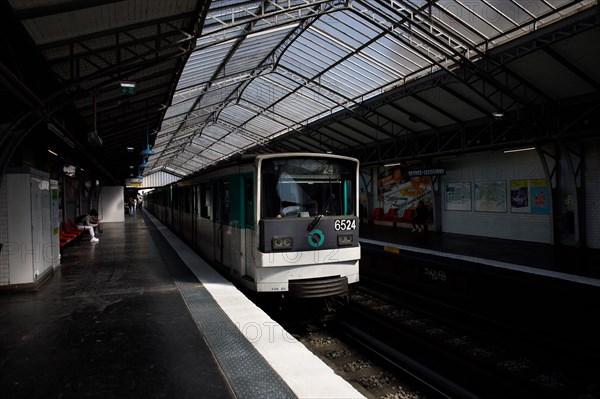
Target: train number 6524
{"type": "Point", "coordinates": [345, 224]}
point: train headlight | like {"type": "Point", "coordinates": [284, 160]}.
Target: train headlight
{"type": "Point", "coordinates": [344, 239]}
{"type": "Point", "coordinates": [282, 242]}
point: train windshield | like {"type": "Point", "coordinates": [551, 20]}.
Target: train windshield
{"type": "Point", "coordinates": [307, 187]}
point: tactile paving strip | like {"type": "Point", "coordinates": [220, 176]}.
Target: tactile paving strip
{"type": "Point", "coordinates": [248, 373]}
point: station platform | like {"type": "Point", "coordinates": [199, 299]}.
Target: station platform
{"type": "Point", "coordinates": [576, 265]}
{"type": "Point", "coordinates": [140, 315]}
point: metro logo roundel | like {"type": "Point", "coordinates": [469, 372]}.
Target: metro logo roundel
{"type": "Point", "coordinates": [316, 238]}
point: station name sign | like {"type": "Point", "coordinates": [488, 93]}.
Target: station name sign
{"type": "Point", "coordinates": [427, 172]}
{"type": "Point", "coordinates": [133, 182]}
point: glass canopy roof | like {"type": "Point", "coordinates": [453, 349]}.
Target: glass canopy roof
{"type": "Point", "coordinates": [261, 69]}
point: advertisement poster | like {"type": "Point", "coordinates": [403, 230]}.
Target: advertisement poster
{"type": "Point", "coordinates": [539, 196]}
{"type": "Point", "coordinates": [399, 191]}
{"type": "Point", "coordinates": [530, 196]}
{"type": "Point", "coordinates": [490, 196]}
{"type": "Point", "coordinates": [519, 196]}
{"type": "Point", "coordinates": [458, 196]}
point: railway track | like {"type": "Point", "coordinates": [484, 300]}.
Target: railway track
{"type": "Point", "coordinates": [370, 364]}
{"type": "Point", "coordinates": [391, 350]}
{"type": "Point", "coordinates": [461, 362]}
{"type": "Point", "coordinates": [355, 362]}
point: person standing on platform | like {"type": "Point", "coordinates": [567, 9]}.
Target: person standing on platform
{"type": "Point", "coordinates": [419, 221]}
{"type": "Point", "coordinates": [131, 206]}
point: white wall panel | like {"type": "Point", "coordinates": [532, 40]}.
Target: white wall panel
{"type": "Point", "coordinates": [111, 204]}
{"type": "Point", "coordinates": [26, 233]}
{"type": "Point", "coordinates": [495, 166]}
{"type": "Point", "coordinates": [4, 271]}
{"type": "Point", "coordinates": [158, 179]}
{"type": "Point", "coordinates": [592, 190]}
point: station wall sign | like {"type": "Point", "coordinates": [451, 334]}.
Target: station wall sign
{"type": "Point", "coordinates": [133, 182]}
{"type": "Point", "coordinates": [128, 88]}
{"type": "Point", "coordinates": [427, 172]}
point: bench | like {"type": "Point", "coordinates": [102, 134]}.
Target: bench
{"type": "Point", "coordinates": [68, 233]}
{"type": "Point", "coordinates": [376, 215]}
{"type": "Point", "coordinates": [406, 217]}
{"type": "Point", "coordinates": [390, 214]}
{"type": "Point", "coordinates": [391, 217]}
{"type": "Point", "coordinates": [379, 217]}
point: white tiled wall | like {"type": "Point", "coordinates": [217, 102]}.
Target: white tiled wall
{"type": "Point", "coordinates": [592, 191]}
{"type": "Point", "coordinates": [4, 273]}
{"type": "Point", "coordinates": [495, 166]}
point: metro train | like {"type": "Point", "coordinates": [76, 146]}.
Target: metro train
{"type": "Point", "coordinates": [285, 223]}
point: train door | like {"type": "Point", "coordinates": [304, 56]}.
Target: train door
{"type": "Point", "coordinates": [222, 208]}
{"type": "Point", "coordinates": [175, 222]}
{"type": "Point", "coordinates": [170, 207]}
{"type": "Point", "coordinates": [187, 214]}
{"type": "Point", "coordinates": [218, 229]}
{"type": "Point", "coordinates": [195, 213]}
{"type": "Point", "coordinates": [206, 224]}
{"type": "Point", "coordinates": [247, 244]}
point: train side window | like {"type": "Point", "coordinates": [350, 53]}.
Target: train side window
{"type": "Point", "coordinates": [193, 203]}
{"type": "Point", "coordinates": [176, 198]}
{"type": "Point", "coordinates": [249, 201]}
{"type": "Point", "coordinates": [227, 202]}
{"type": "Point", "coordinates": [205, 201]}
{"type": "Point", "coordinates": [196, 200]}
{"type": "Point", "coordinates": [187, 192]}
{"type": "Point", "coordinates": [348, 207]}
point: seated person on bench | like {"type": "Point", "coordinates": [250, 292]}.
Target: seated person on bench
{"type": "Point", "coordinates": [85, 222]}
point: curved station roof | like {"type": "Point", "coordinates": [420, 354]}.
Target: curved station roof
{"type": "Point", "coordinates": [272, 75]}
{"type": "Point", "coordinates": [379, 80]}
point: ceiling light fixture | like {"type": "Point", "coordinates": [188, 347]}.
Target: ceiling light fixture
{"type": "Point", "coordinates": [147, 151]}
{"type": "Point", "coordinates": [57, 131]}
{"type": "Point", "coordinates": [52, 152]}
{"type": "Point", "coordinates": [127, 87]}
{"type": "Point", "coordinates": [519, 150]}
{"type": "Point", "coordinates": [92, 136]}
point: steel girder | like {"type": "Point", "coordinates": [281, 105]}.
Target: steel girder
{"type": "Point", "coordinates": [249, 18]}
{"type": "Point", "coordinates": [486, 133]}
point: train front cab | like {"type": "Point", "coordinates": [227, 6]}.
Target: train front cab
{"type": "Point", "coordinates": [307, 235]}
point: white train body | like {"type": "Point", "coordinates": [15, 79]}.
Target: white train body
{"type": "Point", "coordinates": [277, 223]}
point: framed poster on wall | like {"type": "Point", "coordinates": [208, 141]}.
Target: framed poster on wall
{"type": "Point", "coordinates": [458, 196]}
{"type": "Point", "coordinates": [490, 196]}
{"type": "Point", "coordinates": [395, 189]}
{"type": "Point", "coordinates": [519, 196]}
{"type": "Point", "coordinates": [530, 196]}
{"type": "Point", "coordinates": [539, 196]}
